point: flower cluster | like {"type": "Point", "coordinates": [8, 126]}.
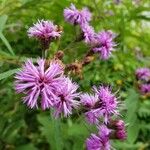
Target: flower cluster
{"type": "Point", "coordinates": [102, 42]}
{"type": "Point", "coordinates": [103, 104]}
{"type": "Point", "coordinates": [101, 141]}
{"type": "Point", "coordinates": [45, 84]}
{"type": "Point", "coordinates": [143, 77]}
{"type": "Point", "coordinates": [100, 107]}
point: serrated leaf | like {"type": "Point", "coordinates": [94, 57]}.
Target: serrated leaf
{"type": "Point", "coordinates": [8, 73]}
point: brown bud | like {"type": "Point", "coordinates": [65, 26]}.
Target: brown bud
{"type": "Point", "coordinates": [59, 55]}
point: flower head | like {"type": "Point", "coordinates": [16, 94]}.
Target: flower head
{"type": "Point", "coordinates": [143, 74]}
{"type": "Point", "coordinates": [121, 134]}
{"type": "Point", "coordinates": [108, 102]}
{"type": "Point", "coordinates": [88, 34]}
{"type": "Point", "coordinates": [100, 141]}
{"type": "Point", "coordinates": [39, 81]}
{"type": "Point", "coordinates": [74, 16]}
{"type": "Point", "coordinates": [89, 102]}
{"type": "Point", "coordinates": [101, 105]}
{"type": "Point", "coordinates": [117, 124]}
{"type": "Point", "coordinates": [66, 98]}
{"type": "Point", "coordinates": [145, 88]}
{"type": "Point", "coordinates": [45, 31]}
{"type": "Point", "coordinates": [105, 44]}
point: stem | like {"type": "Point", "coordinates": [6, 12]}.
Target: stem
{"type": "Point", "coordinates": [44, 54]}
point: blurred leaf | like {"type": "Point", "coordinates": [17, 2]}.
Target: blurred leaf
{"type": "Point", "coordinates": [8, 73]}
{"type": "Point", "coordinates": [132, 103]}
{"type": "Point", "coordinates": [133, 130]}
{"type": "Point", "coordinates": [3, 20]}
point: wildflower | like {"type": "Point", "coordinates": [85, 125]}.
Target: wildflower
{"type": "Point", "coordinates": [100, 141]}
{"type": "Point", "coordinates": [117, 124]}
{"type": "Point", "coordinates": [143, 74]}
{"type": "Point", "coordinates": [38, 81]}
{"type": "Point", "coordinates": [88, 34]}
{"type": "Point", "coordinates": [105, 44]}
{"type": "Point", "coordinates": [44, 31]}
{"type": "Point", "coordinates": [89, 102]}
{"type": "Point", "coordinates": [107, 102]}
{"type": "Point", "coordinates": [101, 105]}
{"type": "Point", "coordinates": [74, 16]}
{"type": "Point", "coordinates": [66, 98]}
{"type": "Point", "coordinates": [121, 134]}
{"type": "Point", "coordinates": [145, 88]}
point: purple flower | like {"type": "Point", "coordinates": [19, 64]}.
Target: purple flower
{"type": "Point", "coordinates": [100, 141]}
{"type": "Point", "coordinates": [88, 34]}
{"type": "Point", "coordinates": [39, 81]}
{"type": "Point", "coordinates": [108, 104]}
{"type": "Point", "coordinates": [105, 44]}
{"type": "Point", "coordinates": [89, 100]}
{"type": "Point", "coordinates": [101, 105]}
{"type": "Point", "coordinates": [145, 88]}
{"type": "Point", "coordinates": [143, 74]}
{"type": "Point", "coordinates": [89, 103]}
{"type": "Point", "coordinates": [121, 134]}
{"type": "Point", "coordinates": [44, 31]}
{"type": "Point", "coordinates": [66, 98]}
{"type": "Point", "coordinates": [74, 16]}
{"type": "Point", "coordinates": [117, 124]}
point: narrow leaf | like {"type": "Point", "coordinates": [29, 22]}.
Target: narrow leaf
{"type": "Point", "coordinates": [3, 20]}
{"type": "Point", "coordinates": [6, 43]}
{"type": "Point", "coordinates": [8, 73]}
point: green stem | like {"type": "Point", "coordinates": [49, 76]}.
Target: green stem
{"type": "Point", "coordinates": [44, 54]}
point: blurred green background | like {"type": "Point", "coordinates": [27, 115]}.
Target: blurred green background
{"type": "Point", "coordinates": [25, 129]}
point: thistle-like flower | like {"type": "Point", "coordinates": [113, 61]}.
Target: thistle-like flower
{"type": "Point", "coordinates": [88, 34]}
{"type": "Point", "coordinates": [107, 101]}
{"type": "Point", "coordinates": [121, 134]}
{"type": "Point", "coordinates": [100, 141]}
{"type": "Point", "coordinates": [101, 105]}
{"type": "Point", "coordinates": [39, 81]}
{"type": "Point", "coordinates": [66, 98]}
{"type": "Point", "coordinates": [89, 102]}
{"type": "Point", "coordinates": [45, 32]}
{"type": "Point", "coordinates": [105, 44]}
{"type": "Point", "coordinates": [74, 16]}
{"type": "Point", "coordinates": [145, 88]}
{"type": "Point", "coordinates": [143, 74]}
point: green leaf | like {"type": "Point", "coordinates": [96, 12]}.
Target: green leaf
{"type": "Point", "coordinates": [3, 20]}
{"type": "Point", "coordinates": [51, 130]}
{"type": "Point", "coordinates": [8, 73]}
{"type": "Point", "coordinates": [6, 43]}
{"type": "Point", "coordinates": [132, 103]}
{"type": "Point", "coordinates": [133, 130]}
